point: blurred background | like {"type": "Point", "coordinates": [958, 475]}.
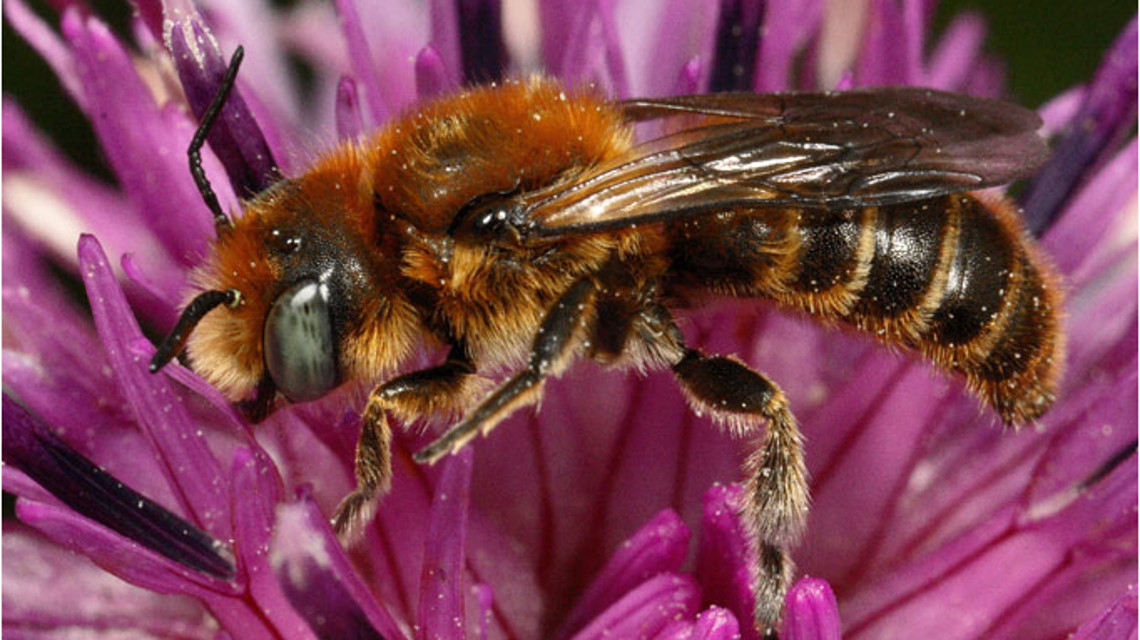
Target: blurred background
{"type": "Point", "coordinates": [1047, 45]}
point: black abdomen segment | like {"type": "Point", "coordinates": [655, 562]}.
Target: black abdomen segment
{"type": "Point", "coordinates": [954, 278]}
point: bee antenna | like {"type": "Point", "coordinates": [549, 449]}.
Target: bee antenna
{"type": "Point", "coordinates": [221, 221]}
{"type": "Point", "coordinates": [204, 303]}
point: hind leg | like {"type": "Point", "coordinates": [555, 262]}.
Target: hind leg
{"type": "Point", "coordinates": [776, 490]}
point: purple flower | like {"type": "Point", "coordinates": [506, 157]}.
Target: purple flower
{"type": "Point", "coordinates": [604, 513]}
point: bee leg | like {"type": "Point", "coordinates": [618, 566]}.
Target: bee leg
{"type": "Point", "coordinates": [776, 491]}
{"type": "Point", "coordinates": [373, 468]}
{"type": "Point", "coordinates": [410, 395]}
{"type": "Point", "coordinates": [549, 354]}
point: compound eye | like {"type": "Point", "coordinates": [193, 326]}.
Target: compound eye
{"type": "Point", "coordinates": [299, 350]}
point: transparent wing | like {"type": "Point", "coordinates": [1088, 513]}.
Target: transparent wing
{"type": "Point", "coordinates": [834, 150]}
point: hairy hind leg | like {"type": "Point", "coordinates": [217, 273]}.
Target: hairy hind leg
{"type": "Point", "coordinates": [776, 491]}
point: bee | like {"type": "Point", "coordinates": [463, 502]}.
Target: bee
{"type": "Point", "coordinates": [522, 226]}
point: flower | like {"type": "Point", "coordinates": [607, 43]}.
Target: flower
{"type": "Point", "coordinates": [602, 513]}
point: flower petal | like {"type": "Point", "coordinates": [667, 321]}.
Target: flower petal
{"type": "Point", "coordinates": [47, 43]}
{"type": "Point", "coordinates": [680, 47]}
{"type": "Point", "coordinates": [442, 595]}
{"type": "Point", "coordinates": [1117, 621]}
{"type": "Point", "coordinates": [361, 57]}
{"type": "Point", "coordinates": [594, 54]}
{"type": "Point", "coordinates": [62, 377]}
{"type": "Point", "coordinates": [119, 555]}
{"type": "Point", "coordinates": [202, 493]}
{"type": "Point", "coordinates": [445, 39]}
{"type": "Point", "coordinates": [1106, 118]}
{"type": "Point", "coordinates": [957, 52]}
{"type": "Point", "coordinates": [76, 481]}
{"type": "Point", "coordinates": [256, 491]}
{"type": "Point", "coordinates": [319, 578]}
{"type": "Point", "coordinates": [432, 76]}
{"type": "Point", "coordinates": [62, 590]}
{"type": "Point", "coordinates": [646, 610]}
{"type": "Point", "coordinates": [54, 201]}
{"type": "Point", "coordinates": [138, 138]}
{"type": "Point", "coordinates": [786, 29]}
{"type": "Point", "coordinates": [658, 547]}
{"type": "Point", "coordinates": [812, 613]}
{"type": "Point", "coordinates": [349, 121]}
{"type": "Point", "coordinates": [1095, 210]}
{"type": "Point", "coordinates": [715, 623]}
{"type": "Point", "coordinates": [235, 138]}
{"type": "Point", "coordinates": [481, 40]}
{"type": "Point", "coordinates": [725, 555]}
{"type": "Point", "coordinates": [737, 44]}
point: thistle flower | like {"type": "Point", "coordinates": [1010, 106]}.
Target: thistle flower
{"type": "Point", "coordinates": [603, 514]}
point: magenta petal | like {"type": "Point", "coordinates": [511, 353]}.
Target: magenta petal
{"type": "Point", "coordinates": [957, 52]}
{"type": "Point", "coordinates": [235, 137]}
{"type": "Point", "coordinates": [716, 624]}
{"type": "Point", "coordinates": [256, 492]}
{"type": "Point", "coordinates": [445, 39]}
{"type": "Point", "coordinates": [724, 555]}
{"type": "Point", "coordinates": [47, 43]}
{"type": "Point", "coordinates": [320, 580]}
{"type": "Point", "coordinates": [812, 612]}
{"type": "Point", "coordinates": [1094, 212]}
{"type": "Point", "coordinates": [349, 121]}
{"type": "Point", "coordinates": [485, 600]}
{"type": "Point", "coordinates": [712, 624]}
{"type": "Point", "coordinates": [787, 27]}
{"type": "Point", "coordinates": [314, 566]}
{"type": "Point", "coordinates": [481, 40]}
{"type": "Point", "coordinates": [442, 594]}
{"type": "Point", "coordinates": [121, 556]}
{"type": "Point", "coordinates": [878, 59]}
{"type": "Point", "coordinates": [737, 43]}
{"type": "Point", "coordinates": [20, 485]}
{"type": "Point", "coordinates": [150, 299]}
{"type": "Point", "coordinates": [30, 446]}
{"type": "Point", "coordinates": [1118, 621]}
{"type": "Point", "coordinates": [646, 610]}
{"type": "Point", "coordinates": [361, 57]}
{"type": "Point", "coordinates": [182, 447]}
{"type": "Point", "coordinates": [1106, 118]}
{"type": "Point", "coordinates": [1060, 110]}
{"type": "Point", "coordinates": [681, 46]}
{"type": "Point", "coordinates": [912, 41]}
{"type": "Point", "coordinates": [658, 547]}
{"type": "Point", "coordinates": [137, 137]}
{"type": "Point", "coordinates": [689, 79]}
{"type": "Point", "coordinates": [54, 200]}
{"type": "Point", "coordinates": [594, 54]}
{"type": "Point", "coordinates": [432, 76]}
{"type": "Point", "coordinates": [64, 591]}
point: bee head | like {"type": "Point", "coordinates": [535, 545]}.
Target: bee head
{"type": "Point", "coordinates": [300, 292]}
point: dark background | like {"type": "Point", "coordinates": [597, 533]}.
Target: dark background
{"type": "Point", "coordinates": [1055, 45]}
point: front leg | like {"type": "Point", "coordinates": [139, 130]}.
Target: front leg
{"type": "Point", "coordinates": [428, 391]}
{"type": "Point", "coordinates": [550, 353]}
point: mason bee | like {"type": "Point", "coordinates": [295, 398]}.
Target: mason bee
{"type": "Point", "coordinates": [521, 226]}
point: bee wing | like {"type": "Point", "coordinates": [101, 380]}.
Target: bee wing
{"type": "Point", "coordinates": [851, 149]}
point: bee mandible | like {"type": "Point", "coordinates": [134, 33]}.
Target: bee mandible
{"type": "Point", "coordinates": [521, 226]}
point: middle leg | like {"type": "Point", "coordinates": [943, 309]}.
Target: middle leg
{"type": "Point", "coordinates": [551, 351]}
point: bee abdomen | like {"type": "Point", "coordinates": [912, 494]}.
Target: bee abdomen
{"type": "Point", "coordinates": [999, 320]}
{"type": "Point", "coordinates": [955, 278]}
